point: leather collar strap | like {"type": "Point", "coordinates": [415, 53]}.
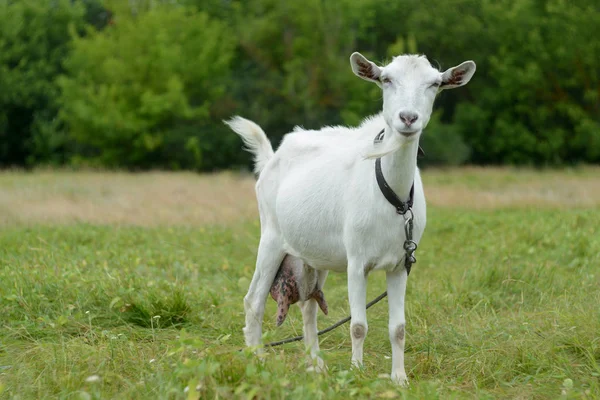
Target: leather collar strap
{"type": "Point", "coordinates": [390, 195]}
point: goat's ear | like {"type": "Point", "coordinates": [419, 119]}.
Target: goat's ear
{"type": "Point", "coordinates": [364, 68]}
{"type": "Point", "coordinates": [458, 76]}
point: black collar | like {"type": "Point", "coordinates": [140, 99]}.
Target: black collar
{"type": "Point", "coordinates": [390, 195]}
{"type": "Point", "coordinates": [386, 190]}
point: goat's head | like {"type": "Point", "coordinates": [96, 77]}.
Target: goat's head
{"type": "Point", "coordinates": [410, 85]}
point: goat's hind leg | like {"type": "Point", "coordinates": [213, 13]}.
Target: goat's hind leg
{"type": "Point", "coordinates": [269, 258]}
{"type": "Point", "coordinates": [309, 318]}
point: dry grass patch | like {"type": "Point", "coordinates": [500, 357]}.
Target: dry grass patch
{"type": "Point", "coordinates": [490, 188]}
{"type": "Point", "coordinates": [146, 199]}
{"type": "Point", "coordinates": [165, 198]}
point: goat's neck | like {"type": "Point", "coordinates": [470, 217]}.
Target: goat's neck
{"type": "Point", "coordinates": [399, 168]}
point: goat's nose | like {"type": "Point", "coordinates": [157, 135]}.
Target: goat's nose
{"type": "Point", "coordinates": [408, 117]}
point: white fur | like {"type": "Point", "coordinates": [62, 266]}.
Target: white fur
{"type": "Point", "coordinates": [255, 139]}
{"type": "Point", "coordinates": [319, 201]}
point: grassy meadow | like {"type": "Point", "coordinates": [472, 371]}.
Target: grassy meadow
{"type": "Point", "coordinates": [130, 286]}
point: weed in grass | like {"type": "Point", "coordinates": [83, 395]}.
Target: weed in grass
{"type": "Point", "coordinates": [152, 312]}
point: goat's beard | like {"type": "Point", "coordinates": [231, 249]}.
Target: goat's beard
{"type": "Point", "coordinates": [388, 146]}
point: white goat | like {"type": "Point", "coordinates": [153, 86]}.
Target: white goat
{"type": "Point", "coordinates": [319, 200]}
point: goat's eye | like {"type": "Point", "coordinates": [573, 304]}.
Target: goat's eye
{"type": "Point", "coordinates": [386, 80]}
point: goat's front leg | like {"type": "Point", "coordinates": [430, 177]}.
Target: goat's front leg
{"type": "Point", "coordinates": [357, 296]}
{"type": "Point", "coordinates": [396, 289]}
{"type": "Point", "coordinates": [268, 260]}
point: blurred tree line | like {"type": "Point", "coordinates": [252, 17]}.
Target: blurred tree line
{"type": "Point", "coordinates": [145, 83]}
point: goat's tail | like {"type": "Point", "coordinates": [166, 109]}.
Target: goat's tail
{"type": "Point", "coordinates": [255, 139]}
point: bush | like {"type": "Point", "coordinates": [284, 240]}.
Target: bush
{"type": "Point", "coordinates": [534, 98]}
{"type": "Point", "coordinates": [34, 37]}
{"type": "Point", "coordinates": [442, 144]}
{"type": "Point", "coordinates": [130, 88]}
{"type": "Point", "coordinates": [147, 82]}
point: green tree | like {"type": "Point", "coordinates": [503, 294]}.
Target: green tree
{"type": "Point", "coordinates": [535, 97]}
{"type": "Point", "coordinates": [147, 83]}
{"type": "Point", "coordinates": [135, 93]}
{"type": "Point", "coordinates": [34, 37]}
{"type": "Point", "coordinates": [293, 63]}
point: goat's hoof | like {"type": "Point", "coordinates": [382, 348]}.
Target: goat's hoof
{"type": "Point", "coordinates": [316, 365]}
{"type": "Point", "coordinates": [400, 379]}
{"type": "Point", "coordinates": [357, 365]}
{"type": "Point", "coordinates": [256, 349]}
{"type": "Point", "coordinates": [316, 369]}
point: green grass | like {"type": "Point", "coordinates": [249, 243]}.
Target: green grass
{"type": "Point", "coordinates": [501, 304]}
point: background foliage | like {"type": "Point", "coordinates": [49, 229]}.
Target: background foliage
{"type": "Point", "coordinates": [146, 83]}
